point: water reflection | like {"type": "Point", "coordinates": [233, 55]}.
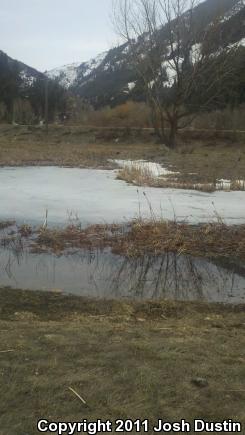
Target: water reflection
{"type": "Point", "coordinates": [103, 274]}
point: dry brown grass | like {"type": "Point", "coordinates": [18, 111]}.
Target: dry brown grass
{"type": "Point", "coordinates": [142, 176]}
{"type": "Point", "coordinates": [208, 240]}
{"type": "Point", "coordinates": [238, 185]}
{"type": "Point", "coordinates": [129, 114]}
{"type": "Point", "coordinates": [73, 236]}
{"type": "Point", "coordinates": [6, 224]}
{"type": "Point", "coordinates": [139, 176]}
{"type": "Point", "coordinates": [143, 237]}
{"type": "Point", "coordinates": [127, 360]}
{"type": "Point", "coordinates": [200, 161]}
{"type": "Point", "coordinates": [72, 146]}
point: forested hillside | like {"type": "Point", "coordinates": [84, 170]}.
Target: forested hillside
{"type": "Point", "coordinates": [22, 93]}
{"type": "Point", "coordinates": [110, 79]}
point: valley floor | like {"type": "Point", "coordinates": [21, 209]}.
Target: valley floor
{"type": "Point", "coordinates": [168, 360]}
{"type": "Point", "coordinates": [126, 360]}
{"type": "Point", "coordinates": [200, 158]}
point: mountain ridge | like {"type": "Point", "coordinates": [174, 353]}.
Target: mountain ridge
{"type": "Point", "coordinates": [27, 73]}
{"type": "Point", "coordinates": [108, 79]}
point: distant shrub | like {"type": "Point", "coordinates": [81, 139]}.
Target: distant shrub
{"type": "Point", "coordinates": [128, 115]}
{"type": "Point", "coordinates": [226, 119]}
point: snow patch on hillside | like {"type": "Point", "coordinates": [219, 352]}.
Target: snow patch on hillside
{"type": "Point", "coordinates": [131, 85]}
{"type": "Point", "coordinates": [233, 11]}
{"type": "Point", "coordinates": [66, 74]}
{"type": "Point", "coordinates": [91, 65]}
{"type": "Point", "coordinates": [195, 53]}
{"type": "Point", "coordinates": [240, 43]}
{"type": "Point", "coordinates": [26, 78]}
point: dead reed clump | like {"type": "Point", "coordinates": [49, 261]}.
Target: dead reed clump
{"type": "Point", "coordinates": [25, 230]}
{"type": "Point", "coordinates": [201, 187]}
{"type": "Point", "coordinates": [50, 239]}
{"type": "Point", "coordinates": [209, 240]}
{"type": "Point", "coordinates": [6, 224]}
{"type": "Point", "coordinates": [141, 237]}
{"type": "Point", "coordinates": [137, 175]}
{"type": "Point", "coordinates": [237, 185]}
{"type": "Point", "coordinates": [143, 176]}
{"type": "Point", "coordinates": [73, 236]}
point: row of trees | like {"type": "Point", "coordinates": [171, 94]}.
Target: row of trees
{"type": "Point", "coordinates": [9, 84]}
{"type": "Point", "coordinates": [24, 102]}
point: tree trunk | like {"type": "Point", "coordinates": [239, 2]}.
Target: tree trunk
{"type": "Point", "coordinates": [172, 136]}
{"type": "Point", "coordinates": [166, 136]}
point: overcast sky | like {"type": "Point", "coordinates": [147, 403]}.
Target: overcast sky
{"type": "Point", "coordinates": [49, 33]}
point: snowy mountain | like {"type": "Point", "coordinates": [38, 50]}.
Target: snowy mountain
{"type": "Point", "coordinates": [66, 74]}
{"type": "Point", "coordinates": [69, 75]}
{"type": "Point", "coordinates": [108, 78]}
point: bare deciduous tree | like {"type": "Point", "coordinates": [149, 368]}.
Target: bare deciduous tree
{"type": "Point", "coordinates": [180, 70]}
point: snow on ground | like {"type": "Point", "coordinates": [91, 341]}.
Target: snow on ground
{"type": "Point", "coordinates": [154, 169]}
{"type": "Point", "coordinates": [226, 184]}
{"type": "Point", "coordinates": [95, 196]}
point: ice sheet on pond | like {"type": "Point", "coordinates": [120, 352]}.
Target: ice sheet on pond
{"type": "Point", "coordinates": [95, 196]}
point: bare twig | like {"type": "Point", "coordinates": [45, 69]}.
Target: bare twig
{"type": "Point", "coordinates": [77, 395]}
{"type": "Point", "coordinates": [7, 351]}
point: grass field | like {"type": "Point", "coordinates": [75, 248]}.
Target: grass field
{"type": "Point", "coordinates": [199, 159]}
{"type": "Point", "coordinates": [79, 147]}
{"type": "Point", "coordinates": [126, 360]}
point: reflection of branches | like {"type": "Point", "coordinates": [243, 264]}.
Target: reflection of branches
{"type": "Point", "coordinates": [159, 277]}
{"type": "Point", "coordinates": [8, 269]}
{"type": "Point", "coordinates": [170, 275]}
{"type": "Point", "coordinates": [101, 273]}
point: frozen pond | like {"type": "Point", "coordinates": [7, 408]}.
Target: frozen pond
{"type": "Point", "coordinates": [95, 196]}
{"type": "Point", "coordinates": [105, 275]}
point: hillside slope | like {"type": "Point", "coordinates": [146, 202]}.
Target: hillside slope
{"type": "Point", "coordinates": [108, 79]}
{"type": "Point", "coordinates": [26, 73]}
